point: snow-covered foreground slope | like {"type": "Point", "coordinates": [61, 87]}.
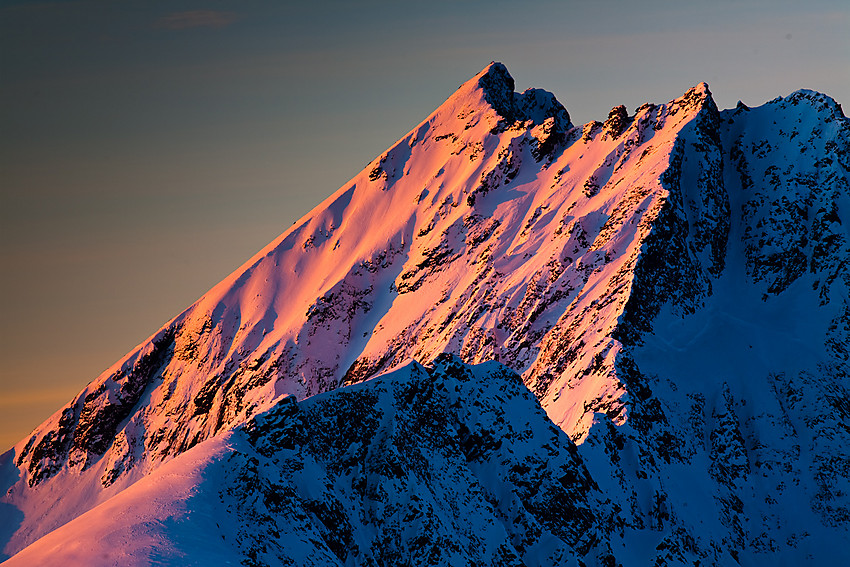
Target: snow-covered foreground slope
{"type": "Point", "coordinates": [167, 518]}
{"type": "Point", "coordinates": [672, 286]}
{"type": "Point", "coordinates": [366, 475]}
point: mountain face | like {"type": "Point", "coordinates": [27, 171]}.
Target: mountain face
{"type": "Point", "coordinates": [509, 340]}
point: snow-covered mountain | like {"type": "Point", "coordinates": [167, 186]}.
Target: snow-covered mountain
{"type": "Point", "coordinates": [670, 287]}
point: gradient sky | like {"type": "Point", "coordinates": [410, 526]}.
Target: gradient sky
{"type": "Point", "coordinates": [147, 148]}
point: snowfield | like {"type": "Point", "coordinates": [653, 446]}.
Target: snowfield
{"type": "Point", "coordinates": [508, 340]}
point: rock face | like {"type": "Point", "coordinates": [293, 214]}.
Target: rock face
{"type": "Point", "coordinates": [370, 473]}
{"type": "Point", "coordinates": [670, 286]}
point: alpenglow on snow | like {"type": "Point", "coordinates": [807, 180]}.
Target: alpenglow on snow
{"type": "Point", "coordinates": [509, 340]}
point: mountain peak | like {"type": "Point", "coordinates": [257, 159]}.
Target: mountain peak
{"type": "Point", "coordinates": [697, 98]}
{"type": "Point", "coordinates": [537, 105]}
{"type": "Point", "coordinates": [702, 89]}
{"type": "Point", "coordinates": [497, 86]}
{"type": "Point", "coordinates": [819, 101]}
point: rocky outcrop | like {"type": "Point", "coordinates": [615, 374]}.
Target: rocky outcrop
{"type": "Point", "coordinates": [369, 475]}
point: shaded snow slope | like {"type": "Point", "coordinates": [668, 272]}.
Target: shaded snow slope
{"type": "Point", "coordinates": [738, 432]}
{"type": "Point", "coordinates": [751, 388]}
{"type": "Point", "coordinates": [671, 285]}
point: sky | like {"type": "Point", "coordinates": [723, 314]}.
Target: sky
{"type": "Point", "coordinates": [149, 148]}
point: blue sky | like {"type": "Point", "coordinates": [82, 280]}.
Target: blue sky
{"type": "Point", "coordinates": [147, 149]}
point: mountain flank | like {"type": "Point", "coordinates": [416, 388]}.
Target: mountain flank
{"type": "Point", "coordinates": [509, 340]}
